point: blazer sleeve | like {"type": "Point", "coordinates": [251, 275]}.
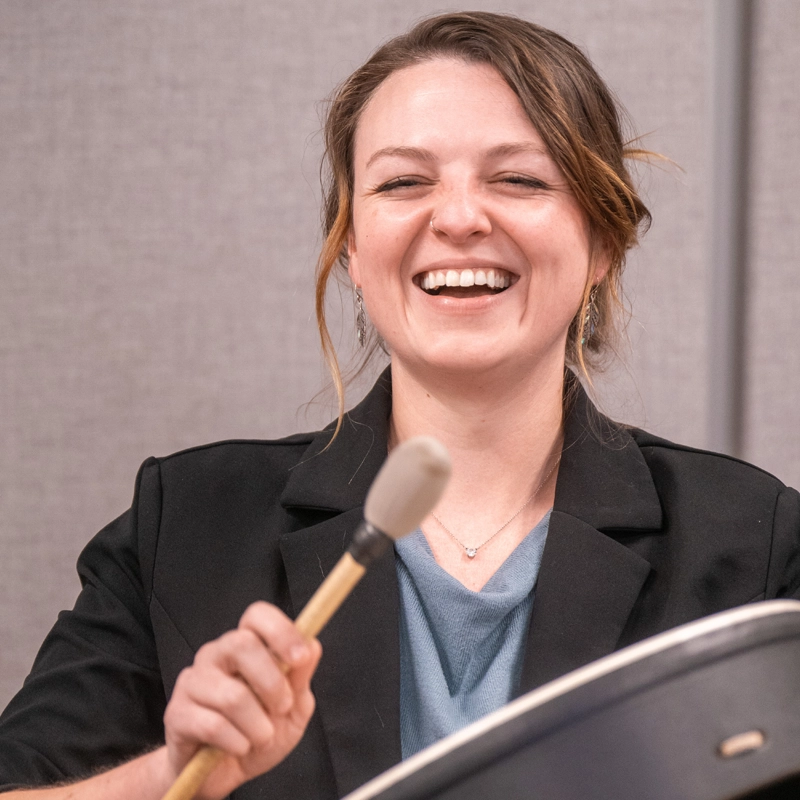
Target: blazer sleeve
{"type": "Point", "coordinates": [94, 697]}
{"type": "Point", "coordinates": [783, 576]}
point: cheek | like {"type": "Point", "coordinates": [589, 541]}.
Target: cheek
{"type": "Point", "coordinates": [381, 250]}
{"type": "Point", "coordinates": [376, 265]}
{"type": "Point", "coordinates": [567, 240]}
{"type": "Point", "coordinates": [366, 240]}
{"type": "Point", "coordinates": [559, 255]}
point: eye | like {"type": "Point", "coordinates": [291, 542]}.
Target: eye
{"type": "Point", "coordinates": [524, 181]}
{"type": "Point", "coordinates": [403, 182]}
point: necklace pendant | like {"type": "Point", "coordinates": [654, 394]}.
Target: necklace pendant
{"type": "Point", "coordinates": [471, 551]}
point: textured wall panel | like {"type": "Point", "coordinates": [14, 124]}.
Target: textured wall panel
{"type": "Point", "coordinates": [772, 407]}
{"type": "Point", "coordinates": [157, 238]}
{"type": "Point", "coordinates": [158, 233]}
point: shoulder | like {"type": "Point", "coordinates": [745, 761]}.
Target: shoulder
{"type": "Point", "coordinates": [734, 525]}
{"type": "Point", "coordinates": [208, 522]}
{"type": "Point", "coordinates": [231, 465]}
{"type": "Point", "coordinates": [228, 490]}
{"type": "Point", "coordinates": [715, 483]}
{"type": "Point", "coordinates": [634, 467]}
{"type": "Point", "coordinates": [232, 451]}
{"type": "Point", "coordinates": [706, 463]}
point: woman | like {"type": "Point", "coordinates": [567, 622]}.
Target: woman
{"type": "Point", "coordinates": [480, 204]}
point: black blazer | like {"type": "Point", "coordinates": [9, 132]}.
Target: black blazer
{"type": "Point", "coordinates": [644, 535]}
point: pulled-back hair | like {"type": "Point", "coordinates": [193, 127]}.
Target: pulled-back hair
{"type": "Point", "coordinates": [573, 111]}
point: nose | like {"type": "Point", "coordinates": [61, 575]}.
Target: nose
{"type": "Point", "coordinates": [459, 215]}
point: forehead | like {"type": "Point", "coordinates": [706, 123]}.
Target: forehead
{"type": "Point", "coordinates": [441, 102]}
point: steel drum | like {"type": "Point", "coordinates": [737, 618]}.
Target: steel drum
{"type": "Point", "coordinates": [706, 711]}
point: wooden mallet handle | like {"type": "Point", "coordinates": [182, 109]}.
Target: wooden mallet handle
{"type": "Point", "coordinates": [312, 619]}
{"type": "Point", "coordinates": [404, 492]}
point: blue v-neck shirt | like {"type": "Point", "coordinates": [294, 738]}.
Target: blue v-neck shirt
{"type": "Point", "coordinates": [460, 651]}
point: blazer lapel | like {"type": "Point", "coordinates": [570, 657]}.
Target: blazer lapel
{"type": "Point", "coordinates": [588, 581]}
{"type": "Point", "coordinates": [357, 682]}
{"type": "Point", "coordinates": [357, 685]}
{"type": "Point", "coordinates": [587, 586]}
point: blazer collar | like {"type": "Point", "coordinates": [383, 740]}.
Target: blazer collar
{"type": "Point", "coordinates": [338, 478]}
{"type": "Point", "coordinates": [603, 478]}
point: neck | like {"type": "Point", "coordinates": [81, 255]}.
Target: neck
{"type": "Point", "coordinates": [503, 431]}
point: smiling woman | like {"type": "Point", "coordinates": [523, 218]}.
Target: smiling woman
{"type": "Point", "coordinates": [480, 205]}
{"type": "Point", "coordinates": [468, 191]}
{"type": "Point", "coordinates": [538, 80]}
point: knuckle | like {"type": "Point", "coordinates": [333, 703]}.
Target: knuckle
{"type": "Point", "coordinates": [171, 716]}
{"type": "Point", "coordinates": [228, 641]}
{"type": "Point", "coordinates": [248, 640]}
{"type": "Point", "coordinates": [184, 677]}
{"type": "Point", "coordinates": [218, 650]}
{"type": "Point", "coordinates": [306, 705]}
{"type": "Point", "coordinates": [254, 612]}
{"type": "Point", "coordinates": [273, 683]}
{"type": "Point", "coordinates": [264, 737]}
{"type": "Point", "coordinates": [191, 683]}
{"type": "Point", "coordinates": [263, 616]}
{"type": "Point", "coordinates": [209, 728]}
{"type": "Point", "coordinates": [205, 653]}
{"type": "Point", "coordinates": [233, 696]}
{"type": "Point", "coordinates": [186, 686]}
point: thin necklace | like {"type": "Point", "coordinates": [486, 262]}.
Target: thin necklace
{"type": "Point", "coordinates": [473, 551]}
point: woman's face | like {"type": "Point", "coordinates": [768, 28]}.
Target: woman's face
{"type": "Point", "coordinates": [500, 275]}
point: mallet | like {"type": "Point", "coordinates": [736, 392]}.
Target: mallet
{"type": "Point", "coordinates": [404, 492]}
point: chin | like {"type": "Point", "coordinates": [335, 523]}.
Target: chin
{"type": "Point", "coordinates": [445, 362]}
{"type": "Point", "coordinates": [460, 357]}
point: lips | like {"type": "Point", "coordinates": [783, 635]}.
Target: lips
{"type": "Point", "coordinates": [480, 280]}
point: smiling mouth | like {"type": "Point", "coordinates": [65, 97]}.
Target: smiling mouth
{"type": "Point", "coordinates": [464, 282]}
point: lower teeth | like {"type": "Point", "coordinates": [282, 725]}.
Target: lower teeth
{"type": "Point", "coordinates": [440, 289]}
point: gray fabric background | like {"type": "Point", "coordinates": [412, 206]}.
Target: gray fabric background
{"type": "Point", "coordinates": [158, 232]}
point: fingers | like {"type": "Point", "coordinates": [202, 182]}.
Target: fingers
{"type": "Point", "coordinates": [244, 656]}
{"type": "Point", "coordinates": [296, 658]}
{"type": "Point", "coordinates": [278, 632]}
{"type": "Point", "coordinates": [238, 707]}
{"type": "Point", "coordinates": [300, 680]}
{"type": "Point", "coordinates": [189, 724]}
{"type": "Point", "coordinates": [239, 695]}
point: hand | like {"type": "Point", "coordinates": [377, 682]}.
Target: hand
{"type": "Point", "coordinates": [236, 697]}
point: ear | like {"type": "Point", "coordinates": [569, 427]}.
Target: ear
{"type": "Point", "coordinates": [353, 266]}
{"type": "Point", "coordinates": [602, 264]}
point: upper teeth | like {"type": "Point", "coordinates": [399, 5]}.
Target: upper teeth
{"type": "Point", "coordinates": [493, 278]}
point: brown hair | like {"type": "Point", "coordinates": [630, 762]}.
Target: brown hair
{"type": "Point", "coordinates": [573, 111]}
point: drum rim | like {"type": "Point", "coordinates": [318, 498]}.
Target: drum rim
{"type": "Point", "coordinates": [574, 680]}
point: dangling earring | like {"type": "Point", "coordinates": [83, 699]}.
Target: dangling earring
{"type": "Point", "coordinates": [591, 317]}
{"type": "Point", "coordinates": [361, 318]}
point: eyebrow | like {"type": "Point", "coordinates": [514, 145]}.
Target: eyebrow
{"type": "Point", "coordinates": [420, 154]}
{"type": "Point", "coordinates": [512, 148]}
{"type": "Point", "coordinates": [416, 153]}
